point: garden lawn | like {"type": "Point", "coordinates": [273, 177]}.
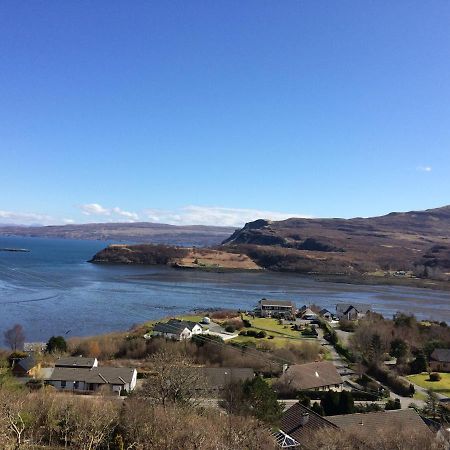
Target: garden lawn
{"type": "Point", "coordinates": [272, 326]}
{"type": "Point", "coordinates": [423, 380]}
{"type": "Point", "coordinates": [276, 341]}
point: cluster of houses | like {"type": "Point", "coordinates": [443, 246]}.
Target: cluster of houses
{"type": "Point", "coordinates": [286, 309]}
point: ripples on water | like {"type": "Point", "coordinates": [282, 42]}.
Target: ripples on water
{"type": "Point", "coordinates": [52, 290]}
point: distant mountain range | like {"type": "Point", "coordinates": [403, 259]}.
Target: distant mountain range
{"type": "Point", "coordinates": [193, 235]}
{"type": "Point", "coordinates": [411, 245]}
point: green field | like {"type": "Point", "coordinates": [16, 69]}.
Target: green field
{"type": "Point", "coordinates": [272, 326]}
{"type": "Point", "coordinates": [422, 380]}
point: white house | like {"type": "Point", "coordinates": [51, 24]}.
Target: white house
{"type": "Point", "coordinates": [83, 379]}
{"type": "Point", "coordinates": [178, 330]}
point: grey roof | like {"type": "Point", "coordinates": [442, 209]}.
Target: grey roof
{"type": "Point", "coordinates": [308, 312]}
{"type": "Point", "coordinates": [377, 422]}
{"type": "Point", "coordinates": [27, 363]}
{"type": "Point", "coordinates": [301, 423]}
{"type": "Point", "coordinates": [312, 375]}
{"type": "Point", "coordinates": [360, 307]}
{"type": "Point", "coordinates": [325, 311]}
{"type": "Point", "coordinates": [99, 375]}
{"type": "Point", "coordinates": [267, 302]}
{"type": "Point", "coordinates": [219, 377]}
{"type": "Point", "coordinates": [441, 355]}
{"type": "Point", "coordinates": [174, 326]}
{"type": "Point", "coordinates": [75, 361]}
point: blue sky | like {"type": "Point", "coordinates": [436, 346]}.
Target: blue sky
{"type": "Point", "coordinates": [221, 112]}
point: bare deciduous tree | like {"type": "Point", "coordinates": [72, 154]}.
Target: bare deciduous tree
{"type": "Point", "coordinates": [15, 337]}
{"type": "Point", "coordinates": [173, 379]}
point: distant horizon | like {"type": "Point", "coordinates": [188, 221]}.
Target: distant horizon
{"type": "Point", "coordinates": [234, 225]}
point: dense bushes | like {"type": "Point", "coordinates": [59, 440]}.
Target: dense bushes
{"type": "Point", "coordinates": [253, 333]}
{"type": "Point", "coordinates": [395, 383]}
{"type": "Point", "coordinates": [434, 376]}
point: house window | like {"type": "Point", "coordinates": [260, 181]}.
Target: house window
{"type": "Point", "coordinates": [75, 385]}
{"type": "Point", "coordinates": [63, 384]}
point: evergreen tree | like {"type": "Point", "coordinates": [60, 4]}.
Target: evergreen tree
{"type": "Point", "coordinates": [346, 403]}
{"type": "Point", "coordinates": [330, 403]}
{"type": "Point", "coordinates": [261, 400]}
{"type": "Point", "coordinates": [56, 344]}
{"type": "Point", "coordinates": [419, 365]}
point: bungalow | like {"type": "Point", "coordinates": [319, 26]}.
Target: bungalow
{"type": "Point", "coordinates": [352, 311]}
{"type": "Point", "coordinates": [316, 376]}
{"type": "Point", "coordinates": [276, 308]}
{"type": "Point", "coordinates": [440, 360]}
{"type": "Point", "coordinates": [178, 330]}
{"type": "Point", "coordinates": [77, 362]}
{"type": "Point", "coordinates": [26, 367]}
{"type": "Point", "coordinates": [84, 380]}
{"type": "Point", "coordinates": [299, 425]}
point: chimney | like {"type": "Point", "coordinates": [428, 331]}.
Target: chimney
{"type": "Point", "coordinates": [304, 418]}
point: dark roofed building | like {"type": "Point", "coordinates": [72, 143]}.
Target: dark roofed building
{"type": "Point", "coordinates": [82, 379]}
{"type": "Point", "coordinates": [218, 377]}
{"type": "Point", "coordinates": [316, 376]}
{"type": "Point", "coordinates": [301, 423]}
{"type": "Point", "coordinates": [276, 308]}
{"type": "Point", "coordinates": [76, 361]}
{"type": "Point", "coordinates": [26, 367]}
{"type": "Point", "coordinates": [328, 315]}
{"type": "Point", "coordinates": [372, 423]}
{"type": "Point", "coordinates": [440, 360]}
{"type": "Point", "coordinates": [352, 311]}
{"type": "Point", "coordinates": [177, 329]}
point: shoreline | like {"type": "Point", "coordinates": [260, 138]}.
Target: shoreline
{"type": "Point", "coordinates": [367, 280]}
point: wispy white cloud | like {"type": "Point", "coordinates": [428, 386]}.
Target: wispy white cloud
{"type": "Point", "coordinates": [214, 215]}
{"type": "Point", "coordinates": [424, 168]}
{"type": "Point", "coordinates": [25, 218]}
{"type": "Point", "coordinates": [95, 209]}
{"type": "Point", "coordinates": [187, 215]}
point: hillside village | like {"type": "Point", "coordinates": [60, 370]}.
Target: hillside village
{"type": "Point", "coordinates": [321, 371]}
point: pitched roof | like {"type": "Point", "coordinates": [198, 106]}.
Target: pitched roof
{"type": "Point", "coordinates": [300, 423]}
{"type": "Point", "coordinates": [312, 375]}
{"type": "Point", "coordinates": [378, 421]}
{"type": "Point", "coordinates": [75, 361]}
{"type": "Point", "coordinates": [360, 307]}
{"type": "Point", "coordinates": [267, 302]}
{"type": "Point", "coordinates": [324, 311]}
{"type": "Point", "coordinates": [441, 354]}
{"type": "Point", "coordinates": [99, 375]}
{"type": "Point", "coordinates": [219, 377]}
{"type": "Point", "coordinates": [174, 326]}
{"type": "Point", "coordinates": [308, 312]}
{"type": "Point", "coordinates": [27, 363]}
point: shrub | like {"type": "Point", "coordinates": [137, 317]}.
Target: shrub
{"type": "Point", "coordinates": [230, 329]}
{"type": "Point", "coordinates": [247, 323]}
{"type": "Point", "coordinates": [385, 376]}
{"type": "Point", "coordinates": [243, 333]}
{"type": "Point", "coordinates": [261, 334]}
{"type": "Point", "coordinates": [393, 404]}
{"type": "Point", "coordinates": [434, 376]}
